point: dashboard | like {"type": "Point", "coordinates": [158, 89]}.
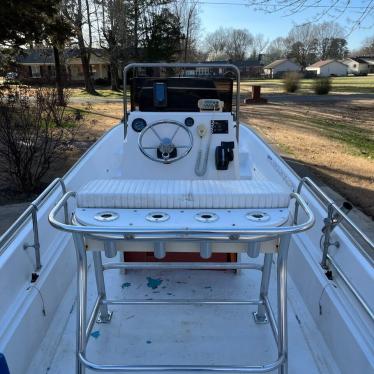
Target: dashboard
{"type": "Point", "coordinates": [182, 144]}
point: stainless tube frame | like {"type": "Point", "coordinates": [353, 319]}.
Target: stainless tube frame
{"type": "Point", "coordinates": [32, 211]}
{"type": "Point", "coordinates": [260, 316]}
{"type": "Point", "coordinates": [312, 186]}
{"type": "Point", "coordinates": [223, 234]}
{"type": "Point", "coordinates": [83, 329]}
{"type": "Point", "coordinates": [333, 207]}
{"type": "Point", "coordinates": [104, 314]}
{"type": "Point", "coordinates": [181, 65]}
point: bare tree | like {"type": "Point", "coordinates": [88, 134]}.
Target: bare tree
{"type": "Point", "coordinates": [303, 44]}
{"type": "Point", "coordinates": [187, 12]}
{"type": "Point", "coordinates": [259, 44]}
{"type": "Point", "coordinates": [80, 13]}
{"type": "Point", "coordinates": [363, 11]}
{"type": "Point", "coordinates": [111, 18]}
{"type": "Point", "coordinates": [216, 43]}
{"type": "Point", "coordinates": [367, 47]}
{"type": "Point", "coordinates": [239, 42]}
{"type": "Point", "coordinates": [309, 42]}
{"type": "Point", "coordinates": [329, 34]}
{"type": "Point", "coordinates": [229, 43]}
{"type": "Point", "coordinates": [33, 134]}
{"type": "Point", "coordinates": [277, 49]}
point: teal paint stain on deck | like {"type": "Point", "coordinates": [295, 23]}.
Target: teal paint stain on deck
{"type": "Point", "coordinates": [125, 285]}
{"type": "Point", "coordinates": [153, 282]}
{"type": "Point", "coordinates": [95, 334]}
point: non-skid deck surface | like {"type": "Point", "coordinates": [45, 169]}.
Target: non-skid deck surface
{"type": "Point", "coordinates": [216, 335]}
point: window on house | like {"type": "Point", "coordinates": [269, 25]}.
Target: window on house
{"type": "Point", "coordinates": [202, 71]}
{"type": "Point", "coordinates": [35, 71]}
{"type": "Point", "coordinates": [51, 71]}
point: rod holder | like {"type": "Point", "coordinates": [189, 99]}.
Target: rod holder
{"type": "Point", "coordinates": [110, 248]}
{"type": "Point", "coordinates": [205, 250]}
{"type": "Point", "coordinates": [159, 250]}
{"type": "Point", "coordinates": [253, 249]}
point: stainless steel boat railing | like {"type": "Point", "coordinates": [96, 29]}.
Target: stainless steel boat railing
{"type": "Point", "coordinates": [193, 233]}
{"type": "Point", "coordinates": [331, 220]}
{"type": "Point", "coordinates": [32, 211]}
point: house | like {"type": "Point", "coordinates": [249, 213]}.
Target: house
{"type": "Point", "coordinates": [278, 67]}
{"type": "Point", "coordinates": [248, 68]}
{"type": "Point", "coordinates": [356, 66]}
{"type": "Point", "coordinates": [370, 61]}
{"type": "Point", "coordinates": [38, 65]}
{"type": "Point", "coordinates": [328, 68]}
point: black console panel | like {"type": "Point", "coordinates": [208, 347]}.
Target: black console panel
{"type": "Point", "coordinates": [220, 126]}
{"type": "Point", "coordinates": [224, 155]}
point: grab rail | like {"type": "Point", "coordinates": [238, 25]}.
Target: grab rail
{"type": "Point", "coordinates": [181, 65]}
{"type": "Point", "coordinates": [326, 244]}
{"type": "Point", "coordinates": [187, 233]}
{"type": "Point", "coordinates": [32, 210]}
{"type": "Point", "coordinates": [332, 207]}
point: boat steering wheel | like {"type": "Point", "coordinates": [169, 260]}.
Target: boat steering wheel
{"type": "Point", "coordinates": [167, 150]}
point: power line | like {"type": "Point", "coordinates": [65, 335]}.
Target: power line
{"type": "Point", "coordinates": [204, 2]}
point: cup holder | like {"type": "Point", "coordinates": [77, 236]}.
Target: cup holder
{"type": "Point", "coordinates": [157, 217]}
{"type": "Point", "coordinates": [106, 216]}
{"type": "Point", "coordinates": [206, 217]}
{"type": "Point", "coordinates": [258, 216]}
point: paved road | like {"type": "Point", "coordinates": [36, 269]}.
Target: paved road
{"type": "Point", "coordinates": [274, 98]}
{"type": "Point", "coordinates": [9, 213]}
{"type": "Point", "coordinates": [331, 98]}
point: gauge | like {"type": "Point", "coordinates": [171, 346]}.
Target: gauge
{"type": "Point", "coordinates": [138, 124]}
{"type": "Point", "coordinates": [189, 121]}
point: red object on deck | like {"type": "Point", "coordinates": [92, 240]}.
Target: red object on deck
{"type": "Point", "coordinates": [178, 257]}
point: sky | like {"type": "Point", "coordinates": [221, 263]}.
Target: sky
{"type": "Point", "coordinates": [232, 13]}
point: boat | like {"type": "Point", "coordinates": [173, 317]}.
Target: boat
{"type": "Point", "coordinates": [182, 242]}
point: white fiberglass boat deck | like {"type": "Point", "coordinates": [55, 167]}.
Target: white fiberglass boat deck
{"type": "Point", "coordinates": [185, 334]}
{"type": "Point", "coordinates": [181, 177]}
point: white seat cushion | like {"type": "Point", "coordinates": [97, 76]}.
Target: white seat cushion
{"type": "Point", "coordinates": [181, 194]}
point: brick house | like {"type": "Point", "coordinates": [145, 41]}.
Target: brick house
{"type": "Point", "coordinates": [38, 65]}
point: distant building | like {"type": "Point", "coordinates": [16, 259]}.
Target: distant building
{"type": "Point", "coordinates": [356, 66]}
{"type": "Point", "coordinates": [250, 67]}
{"type": "Point", "coordinates": [38, 65]}
{"type": "Point", "coordinates": [279, 67]}
{"type": "Point", "coordinates": [370, 61]}
{"type": "Point", "coordinates": [247, 68]}
{"type": "Point", "coordinates": [328, 68]}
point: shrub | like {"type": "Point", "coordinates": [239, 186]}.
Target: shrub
{"type": "Point", "coordinates": [291, 82]}
{"type": "Point", "coordinates": [34, 132]}
{"type": "Point", "coordinates": [322, 86]}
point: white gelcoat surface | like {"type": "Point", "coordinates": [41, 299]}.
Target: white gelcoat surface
{"type": "Point", "coordinates": [326, 309]}
{"type": "Point", "coordinates": [189, 334]}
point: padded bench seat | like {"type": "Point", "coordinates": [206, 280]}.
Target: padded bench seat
{"type": "Point", "coordinates": [181, 194]}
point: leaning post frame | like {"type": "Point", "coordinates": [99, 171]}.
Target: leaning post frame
{"type": "Point", "coordinates": [85, 325]}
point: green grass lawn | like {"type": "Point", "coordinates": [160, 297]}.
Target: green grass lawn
{"type": "Point", "coordinates": [349, 84]}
